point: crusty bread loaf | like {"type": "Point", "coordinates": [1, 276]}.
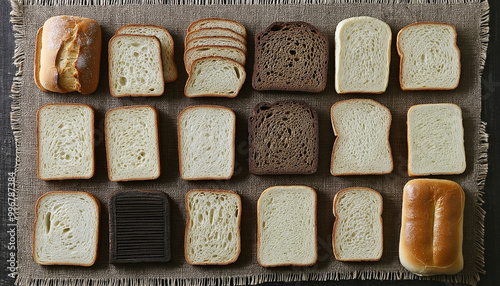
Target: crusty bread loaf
{"type": "Point", "coordinates": [435, 140]}
{"type": "Point", "coordinates": [432, 227]}
{"type": "Point", "coordinates": [232, 53]}
{"type": "Point", "coordinates": [362, 55]}
{"type": "Point", "coordinates": [68, 55]}
{"type": "Point", "coordinates": [286, 226]}
{"type": "Point", "coordinates": [357, 232]}
{"type": "Point", "coordinates": [206, 142]}
{"type": "Point", "coordinates": [216, 41]}
{"type": "Point", "coordinates": [214, 32]}
{"type": "Point", "coordinates": [66, 229]}
{"type": "Point", "coordinates": [132, 143]}
{"type": "Point", "coordinates": [135, 66]}
{"type": "Point", "coordinates": [218, 23]}
{"type": "Point", "coordinates": [166, 43]}
{"type": "Point", "coordinates": [362, 144]}
{"type": "Point", "coordinates": [212, 227]}
{"type": "Point", "coordinates": [65, 141]}
{"type": "Point", "coordinates": [430, 58]}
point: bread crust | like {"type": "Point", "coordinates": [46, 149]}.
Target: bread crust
{"type": "Point", "coordinates": [157, 144]}
{"type": "Point", "coordinates": [401, 55]}
{"type": "Point", "coordinates": [336, 139]}
{"type": "Point", "coordinates": [315, 228]}
{"type": "Point", "coordinates": [219, 38]}
{"type": "Point", "coordinates": [335, 223]}
{"type": "Point", "coordinates": [192, 26]}
{"type": "Point", "coordinates": [38, 140]}
{"type": "Point", "coordinates": [98, 205]}
{"type": "Point", "coordinates": [188, 219]}
{"type": "Point", "coordinates": [179, 141]}
{"type": "Point", "coordinates": [432, 227]}
{"type": "Point", "coordinates": [237, 36]}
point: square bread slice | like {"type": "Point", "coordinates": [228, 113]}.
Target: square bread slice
{"type": "Point", "coordinates": [65, 141]}
{"type": "Point", "coordinates": [218, 23]}
{"type": "Point", "coordinates": [429, 57]}
{"type": "Point", "coordinates": [283, 138]}
{"type": "Point", "coordinates": [435, 140]}
{"type": "Point", "coordinates": [132, 143]}
{"type": "Point", "coordinates": [286, 226]}
{"type": "Point", "coordinates": [357, 232]}
{"type": "Point", "coordinates": [212, 227]}
{"type": "Point", "coordinates": [362, 144]}
{"type": "Point", "coordinates": [214, 32]}
{"type": "Point", "coordinates": [66, 229]}
{"type": "Point", "coordinates": [232, 53]}
{"type": "Point", "coordinates": [206, 142]}
{"type": "Point", "coordinates": [216, 41]}
{"type": "Point", "coordinates": [135, 66]}
{"type": "Point", "coordinates": [362, 55]}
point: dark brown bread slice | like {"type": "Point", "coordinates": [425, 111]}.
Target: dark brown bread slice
{"type": "Point", "coordinates": [283, 138]}
{"type": "Point", "coordinates": [290, 56]}
{"type": "Point", "coordinates": [139, 227]}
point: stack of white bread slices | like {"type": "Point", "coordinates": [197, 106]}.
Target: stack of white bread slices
{"type": "Point", "coordinates": [215, 56]}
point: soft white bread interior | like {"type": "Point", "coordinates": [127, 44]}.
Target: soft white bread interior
{"type": "Point", "coordinates": [66, 229]}
{"type": "Point", "coordinates": [232, 53]}
{"type": "Point", "coordinates": [214, 32]}
{"type": "Point", "coordinates": [216, 41]}
{"type": "Point", "coordinates": [218, 23]}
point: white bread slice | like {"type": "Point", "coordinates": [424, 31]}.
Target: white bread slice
{"type": "Point", "coordinates": [166, 43]}
{"type": "Point", "coordinates": [65, 141]}
{"type": "Point", "coordinates": [132, 145]}
{"type": "Point", "coordinates": [218, 23]}
{"type": "Point", "coordinates": [215, 76]}
{"type": "Point", "coordinates": [357, 232]}
{"type": "Point", "coordinates": [66, 229]}
{"type": "Point", "coordinates": [135, 66]}
{"type": "Point", "coordinates": [435, 140]}
{"type": "Point", "coordinates": [213, 227]}
{"type": "Point", "coordinates": [286, 226]}
{"type": "Point", "coordinates": [216, 41]}
{"type": "Point", "coordinates": [430, 58]}
{"type": "Point", "coordinates": [232, 53]}
{"type": "Point", "coordinates": [206, 142]}
{"type": "Point", "coordinates": [362, 144]}
{"type": "Point", "coordinates": [214, 32]}
{"type": "Point", "coordinates": [362, 55]}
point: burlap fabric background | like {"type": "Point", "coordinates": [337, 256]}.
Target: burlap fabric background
{"type": "Point", "coordinates": [471, 23]}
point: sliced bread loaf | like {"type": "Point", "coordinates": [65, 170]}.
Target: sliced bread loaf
{"type": "Point", "coordinates": [362, 144]}
{"type": "Point", "coordinates": [132, 145]}
{"type": "Point", "coordinates": [216, 41]}
{"type": "Point", "coordinates": [357, 232]}
{"type": "Point", "coordinates": [212, 227]}
{"type": "Point", "coordinates": [430, 58]}
{"type": "Point", "coordinates": [362, 55]}
{"type": "Point", "coordinates": [232, 53]}
{"type": "Point", "coordinates": [218, 23]}
{"type": "Point", "coordinates": [65, 141]}
{"type": "Point", "coordinates": [435, 140]}
{"type": "Point", "coordinates": [214, 32]}
{"type": "Point", "coordinates": [286, 226]}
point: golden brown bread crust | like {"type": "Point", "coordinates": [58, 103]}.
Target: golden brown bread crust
{"type": "Point", "coordinates": [432, 227]}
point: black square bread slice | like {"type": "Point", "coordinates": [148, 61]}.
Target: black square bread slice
{"type": "Point", "coordinates": [290, 56]}
{"type": "Point", "coordinates": [283, 138]}
{"type": "Point", "coordinates": [139, 227]}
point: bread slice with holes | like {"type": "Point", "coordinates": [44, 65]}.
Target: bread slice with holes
{"type": "Point", "coordinates": [214, 32]}
{"type": "Point", "coordinates": [135, 66]}
{"type": "Point", "coordinates": [66, 229]}
{"type": "Point", "coordinates": [216, 41]}
{"type": "Point", "coordinates": [232, 53]}
{"type": "Point", "coordinates": [213, 227]}
{"type": "Point", "coordinates": [218, 23]}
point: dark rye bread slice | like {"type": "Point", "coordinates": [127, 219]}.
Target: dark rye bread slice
{"type": "Point", "coordinates": [290, 56]}
{"type": "Point", "coordinates": [139, 227]}
{"type": "Point", "coordinates": [283, 138]}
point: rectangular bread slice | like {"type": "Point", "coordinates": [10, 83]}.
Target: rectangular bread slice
{"type": "Point", "coordinates": [232, 53]}
{"type": "Point", "coordinates": [357, 232]}
{"type": "Point", "coordinates": [65, 141]}
{"type": "Point", "coordinates": [132, 143]}
{"type": "Point", "coordinates": [212, 227]}
{"type": "Point", "coordinates": [218, 23]}
{"type": "Point", "coordinates": [286, 226]}
{"type": "Point", "coordinates": [216, 41]}
{"type": "Point", "coordinates": [214, 32]}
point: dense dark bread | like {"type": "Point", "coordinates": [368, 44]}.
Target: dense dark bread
{"type": "Point", "coordinates": [290, 56]}
{"type": "Point", "coordinates": [139, 227]}
{"type": "Point", "coordinates": [283, 138]}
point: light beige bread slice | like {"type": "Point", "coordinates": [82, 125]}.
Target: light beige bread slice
{"type": "Point", "coordinates": [132, 143]}
{"type": "Point", "coordinates": [429, 57]}
{"type": "Point", "coordinates": [218, 23]}
{"type": "Point", "coordinates": [66, 229]}
{"type": "Point", "coordinates": [435, 140]}
{"type": "Point", "coordinates": [135, 66]}
{"type": "Point", "coordinates": [65, 141]}
{"type": "Point", "coordinates": [206, 142]}
{"type": "Point", "coordinates": [166, 43]}
{"type": "Point", "coordinates": [232, 53]}
{"type": "Point", "coordinates": [215, 76]}
{"type": "Point", "coordinates": [357, 232]}
{"type": "Point", "coordinates": [213, 227]}
{"type": "Point", "coordinates": [362, 55]}
{"type": "Point", "coordinates": [362, 144]}
{"type": "Point", "coordinates": [214, 32]}
{"type": "Point", "coordinates": [216, 41]}
{"type": "Point", "coordinates": [286, 226]}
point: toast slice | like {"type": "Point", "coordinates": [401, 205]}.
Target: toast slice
{"type": "Point", "coordinates": [218, 23]}
{"type": "Point", "coordinates": [214, 32]}
{"type": "Point", "coordinates": [232, 53]}
{"type": "Point", "coordinates": [216, 41]}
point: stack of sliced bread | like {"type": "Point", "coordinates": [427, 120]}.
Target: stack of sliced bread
{"type": "Point", "coordinates": [215, 56]}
